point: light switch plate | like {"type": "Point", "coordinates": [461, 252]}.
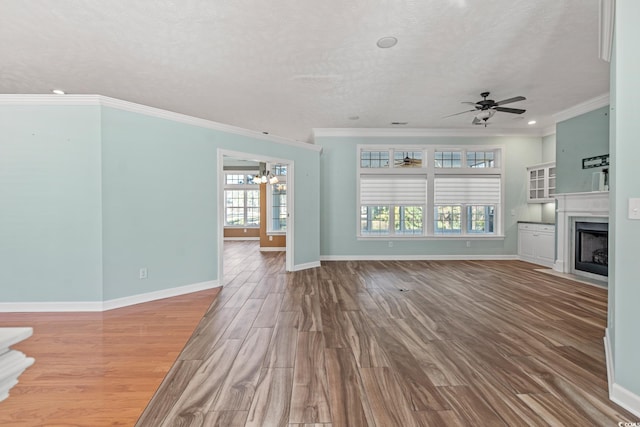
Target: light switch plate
{"type": "Point", "coordinates": [634, 208]}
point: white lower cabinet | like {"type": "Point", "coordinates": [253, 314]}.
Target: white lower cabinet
{"type": "Point", "coordinates": [537, 243]}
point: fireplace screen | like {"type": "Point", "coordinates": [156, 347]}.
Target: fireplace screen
{"type": "Point", "coordinates": [592, 247]}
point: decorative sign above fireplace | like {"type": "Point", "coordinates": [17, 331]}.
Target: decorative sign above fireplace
{"type": "Point", "coordinates": [595, 162]}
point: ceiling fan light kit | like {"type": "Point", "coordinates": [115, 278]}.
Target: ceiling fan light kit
{"type": "Point", "coordinates": [486, 108]}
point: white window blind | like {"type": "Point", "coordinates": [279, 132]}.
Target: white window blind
{"type": "Point", "coordinates": [393, 190]}
{"type": "Point", "coordinates": [467, 190]}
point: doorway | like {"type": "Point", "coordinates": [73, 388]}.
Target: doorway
{"type": "Point", "coordinates": [281, 223]}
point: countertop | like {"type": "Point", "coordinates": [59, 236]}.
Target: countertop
{"type": "Point", "coordinates": [536, 222]}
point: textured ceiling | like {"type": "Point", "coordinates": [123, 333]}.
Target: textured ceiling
{"type": "Point", "coordinates": [287, 66]}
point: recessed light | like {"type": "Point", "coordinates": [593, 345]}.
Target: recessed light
{"type": "Point", "coordinates": [58, 91]}
{"type": "Point", "coordinates": [400, 123]}
{"type": "Point", "coordinates": [387, 42]}
{"type": "Point", "coordinates": [531, 122]}
{"type": "Point", "coordinates": [354, 117]}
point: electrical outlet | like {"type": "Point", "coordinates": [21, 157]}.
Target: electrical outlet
{"type": "Point", "coordinates": [245, 230]}
{"type": "Point", "coordinates": [271, 238]}
{"type": "Point", "coordinates": [143, 273]}
{"type": "Point", "coordinates": [468, 243]}
{"type": "Point", "coordinates": [390, 244]}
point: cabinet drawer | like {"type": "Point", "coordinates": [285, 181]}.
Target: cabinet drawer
{"type": "Point", "coordinates": [541, 228]}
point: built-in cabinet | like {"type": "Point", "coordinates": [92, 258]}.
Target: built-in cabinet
{"type": "Point", "coordinates": [541, 183]}
{"type": "Point", "coordinates": [536, 243]}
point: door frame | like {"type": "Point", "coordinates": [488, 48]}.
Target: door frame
{"type": "Point", "coordinates": [289, 250]}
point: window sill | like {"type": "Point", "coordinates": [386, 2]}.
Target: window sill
{"type": "Point", "coordinates": [242, 226]}
{"type": "Point", "coordinates": [276, 233]}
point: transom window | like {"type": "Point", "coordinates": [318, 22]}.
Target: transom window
{"type": "Point", "coordinates": [374, 159]}
{"type": "Point", "coordinates": [457, 194]}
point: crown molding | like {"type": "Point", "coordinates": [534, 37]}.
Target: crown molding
{"type": "Point", "coordinates": [48, 99]}
{"type": "Point", "coordinates": [417, 132]}
{"type": "Point", "coordinates": [582, 108]}
{"type": "Point", "coordinates": [551, 130]}
{"type": "Point", "coordinates": [104, 101]}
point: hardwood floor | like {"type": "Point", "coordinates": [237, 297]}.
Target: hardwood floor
{"type": "Point", "coordinates": [98, 369]}
{"type": "Point", "coordinates": [467, 343]}
{"type": "Point", "coordinates": [391, 344]}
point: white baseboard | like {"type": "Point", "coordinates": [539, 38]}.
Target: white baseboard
{"type": "Point", "coordinates": [618, 394]}
{"type": "Point", "coordinates": [241, 238]}
{"type": "Point", "coordinates": [417, 257]}
{"type": "Point", "coordinates": [306, 266]}
{"type": "Point", "coordinates": [608, 359]}
{"type": "Point", "coordinates": [273, 248]}
{"type": "Point", "coordinates": [623, 397]}
{"type": "Point", "coordinates": [74, 306]}
{"type": "Point", "coordinates": [156, 295]}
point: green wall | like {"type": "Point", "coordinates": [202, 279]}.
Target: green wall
{"type": "Point", "coordinates": [577, 138]}
{"type": "Point", "coordinates": [338, 214]}
{"type": "Point", "coordinates": [50, 215]}
{"type": "Point", "coordinates": [625, 291]}
{"type": "Point", "coordinates": [91, 194]}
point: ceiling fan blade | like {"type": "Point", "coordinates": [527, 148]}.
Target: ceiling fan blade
{"type": "Point", "coordinates": [514, 99]}
{"type": "Point", "coordinates": [509, 110]}
{"type": "Point", "coordinates": [457, 114]}
{"type": "Point", "coordinates": [476, 121]}
{"type": "Point", "coordinates": [468, 102]}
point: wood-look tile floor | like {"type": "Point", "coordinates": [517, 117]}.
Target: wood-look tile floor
{"type": "Point", "coordinates": [391, 344]}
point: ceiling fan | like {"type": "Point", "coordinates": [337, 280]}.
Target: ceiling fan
{"type": "Point", "coordinates": [408, 162]}
{"type": "Point", "coordinates": [486, 108]}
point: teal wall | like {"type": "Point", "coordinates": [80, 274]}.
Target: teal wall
{"type": "Point", "coordinates": [338, 212]}
{"type": "Point", "coordinates": [50, 215]}
{"type": "Point", "coordinates": [577, 138]}
{"type": "Point", "coordinates": [91, 194]}
{"type": "Point", "coordinates": [626, 270]}
{"type": "Point", "coordinates": [159, 203]}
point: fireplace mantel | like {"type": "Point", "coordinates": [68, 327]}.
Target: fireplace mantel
{"type": "Point", "coordinates": [593, 204]}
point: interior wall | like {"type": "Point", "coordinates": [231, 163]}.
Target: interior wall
{"type": "Point", "coordinates": [577, 138]}
{"type": "Point", "coordinates": [339, 216]}
{"type": "Point", "coordinates": [92, 194]}
{"type": "Point", "coordinates": [50, 197]}
{"type": "Point", "coordinates": [239, 233]}
{"type": "Point", "coordinates": [624, 292]}
{"type": "Point", "coordinates": [159, 203]}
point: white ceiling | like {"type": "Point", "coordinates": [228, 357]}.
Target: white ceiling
{"type": "Point", "coordinates": [287, 66]}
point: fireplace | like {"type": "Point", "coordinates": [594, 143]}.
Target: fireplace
{"type": "Point", "coordinates": [572, 208]}
{"type": "Point", "coordinates": [592, 247]}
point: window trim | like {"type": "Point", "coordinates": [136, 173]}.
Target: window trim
{"type": "Point", "coordinates": [431, 172]}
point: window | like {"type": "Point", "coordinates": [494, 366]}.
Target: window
{"type": "Point", "coordinates": [242, 200]}
{"type": "Point", "coordinates": [447, 219]}
{"type": "Point", "coordinates": [374, 159]}
{"type": "Point", "coordinates": [392, 204]}
{"type": "Point", "coordinates": [466, 204]}
{"type": "Point", "coordinates": [480, 219]}
{"type": "Point", "coordinates": [277, 200]}
{"type": "Point", "coordinates": [448, 159]}
{"type": "Point", "coordinates": [374, 220]}
{"type": "Point", "coordinates": [457, 194]}
{"type": "Point", "coordinates": [408, 220]}
{"type": "Point", "coordinates": [480, 159]}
